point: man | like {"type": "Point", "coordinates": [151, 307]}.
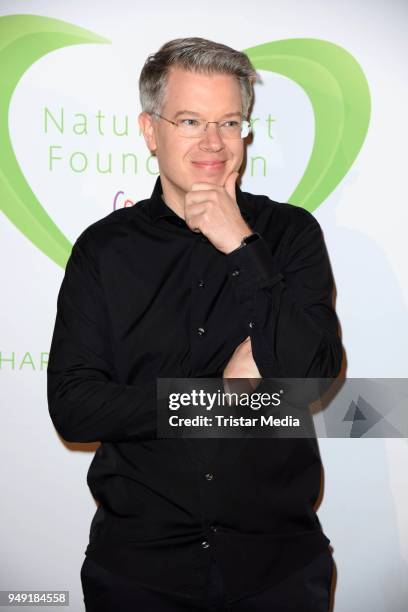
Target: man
{"type": "Point", "coordinates": [200, 280]}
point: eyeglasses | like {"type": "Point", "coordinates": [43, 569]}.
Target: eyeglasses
{"type": "Point", "coordinates": [195, 128]}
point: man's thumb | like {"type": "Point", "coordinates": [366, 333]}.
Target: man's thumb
{"type": "Point", "coordinates": [230, 184]}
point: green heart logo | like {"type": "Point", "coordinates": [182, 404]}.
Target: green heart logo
{"type": "Point", "coordinates": [329, 75]}
{"type": "Point", "coordinates": [24, 40]}
{"type": "Point", "coordinates": [338, 91]}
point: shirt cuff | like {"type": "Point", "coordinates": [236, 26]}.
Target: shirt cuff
{"type": "Point", "coordinates": [254, 263]}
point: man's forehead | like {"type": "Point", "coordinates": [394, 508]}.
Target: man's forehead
{"type": "Point", "coordinates": [194, 90]}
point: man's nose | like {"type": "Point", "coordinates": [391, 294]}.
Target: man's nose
{"type": "Point", "coordinates": [212, 139]}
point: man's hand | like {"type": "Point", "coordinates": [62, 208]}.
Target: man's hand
{"type": "Point", "coordinates": [243, 367]}
{"type": "Point", "coordinates": [242, 363]}
{"type": "Point", "coordinates": [213, 210]}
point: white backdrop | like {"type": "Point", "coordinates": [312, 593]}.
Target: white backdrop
{"type": "Point", "coordinates": [46, 507]}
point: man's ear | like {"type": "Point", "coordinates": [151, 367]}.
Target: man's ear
{"type": "Point", "coordinates": [146, 125]}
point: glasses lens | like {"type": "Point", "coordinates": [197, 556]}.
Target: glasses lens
{"type": "Point", "coordinates": [190, 128]}
{"type": "Point", "coordinates": [196, 128]}
{"type": "Point", "coordinates": [235, 130]}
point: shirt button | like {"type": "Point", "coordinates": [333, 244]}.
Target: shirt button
{"type": "Point", "coordinates": [236, 272]}
{"type": "Point", "coordinates": [205, 544]}
{"type": "Point", "coordinates": [213, 528]}
{"type": "Point", "coordinates": [209, 476]}
{"type": "Point", "coordinates": [251, 324]}
{"type": "Point", "coordinates": [201, 283]}
{"type": "Point", "coordinates": [201, 331]}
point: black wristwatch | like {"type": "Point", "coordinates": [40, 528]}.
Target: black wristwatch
{"type": "Point", "coordinates": [247, 240]}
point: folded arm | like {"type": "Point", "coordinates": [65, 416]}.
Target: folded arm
{"type": "Point", "coordinates": [287, 307]}
{"type": "Point", "coordinates": [85, 403]}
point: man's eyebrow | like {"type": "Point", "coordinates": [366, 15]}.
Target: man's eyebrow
{"type": "Point", "coordinates": [186, 112]}
{"type": "Point", "coordinates": [190, 112]}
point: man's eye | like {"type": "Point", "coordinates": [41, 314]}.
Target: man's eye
{"type": "Point", "coordinates": [231, 124]}
{"type": "Point", "coordinates": [189, 122]}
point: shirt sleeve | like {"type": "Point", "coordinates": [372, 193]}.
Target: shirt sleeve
{"type": "Point", "coordinates": [85, 403]}
{"type": "Point", "coordinates": [286, 304]}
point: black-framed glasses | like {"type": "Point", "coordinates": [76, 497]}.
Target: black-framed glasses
{"type": "Point", "coordinates": [191, 127]}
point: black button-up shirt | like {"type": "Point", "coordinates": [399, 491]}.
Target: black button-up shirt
{"type": "Point", "coordinates": [145, 297]}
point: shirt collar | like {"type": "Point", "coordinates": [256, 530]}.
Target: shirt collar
{"type": "Point", "coordinates": [159, 209]}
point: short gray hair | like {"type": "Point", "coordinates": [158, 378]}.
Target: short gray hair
{"type": "Point", "coordinates": [196, 55]}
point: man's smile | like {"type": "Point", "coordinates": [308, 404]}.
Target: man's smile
{"type": "Point", "coordinates": [209, 165]}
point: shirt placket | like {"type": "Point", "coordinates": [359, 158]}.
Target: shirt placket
{"type": "Point", "coordinates": [200, 334]}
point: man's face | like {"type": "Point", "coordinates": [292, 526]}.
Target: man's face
{"type": "Point", "coordinates": [207, 159]}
